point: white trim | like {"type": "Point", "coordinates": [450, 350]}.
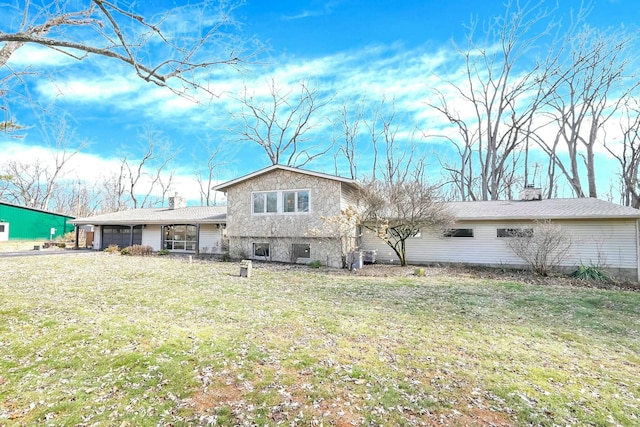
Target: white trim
{"type": "Point", "coordinates": [4, 234]}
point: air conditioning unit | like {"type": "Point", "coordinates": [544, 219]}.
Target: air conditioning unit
{"type": "Point", "coordinates": [369, 256]}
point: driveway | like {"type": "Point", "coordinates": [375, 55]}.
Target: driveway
{"type": "Point", "coordinates": [44, 252]}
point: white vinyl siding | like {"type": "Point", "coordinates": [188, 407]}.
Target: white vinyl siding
{"type": "Point", "coordinates": [97, 236]}
{"type": "Point", "coordinates": [210, 238]}
{"type": "Point", "coordinates": [348, 196]}
{"type": "Point", "coordinates": [611, 243]}
{"type": "Point", "coordinates": [152, 236]}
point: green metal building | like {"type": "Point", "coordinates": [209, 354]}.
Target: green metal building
{"type": "Point", "coordinates": [23, 223]}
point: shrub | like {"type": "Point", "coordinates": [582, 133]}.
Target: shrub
{"type": "Point", "coordinates": [315, 264]}
{"type": "Point", "coordinates": [125, 251]}
{"type": "Point", "coordinates": [226, 257]}
{"type": "Point", "coordinates": [542, 247]}
{"type": "Point", "coordinates": [163, 252]}
{"type": "Point", "coordinates": [62, 245]}
{"type": "Point", "coordinates": [589, 272]}
{"type": "Point", "coordinates": [140, 250]}
{"type": "Point", "coordinates": [113, 249]}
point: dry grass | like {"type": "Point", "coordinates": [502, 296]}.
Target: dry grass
{"type": "Point", "coordinates": [93, 339]}
{"type": "Point", "coordinates": [18, 245]}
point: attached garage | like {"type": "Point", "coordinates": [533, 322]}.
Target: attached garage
{"type": "Point", "coordinates": [197, 229]}
{"type": "Point", "coordinates": [120, 235]}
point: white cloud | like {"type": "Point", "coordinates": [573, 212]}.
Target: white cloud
{"type": "Point", "coordinates": [35, 56]}
{"type": "Point", "coordinates": [87, 90]}
{"type": "Point", "coordinates": [90, 168]}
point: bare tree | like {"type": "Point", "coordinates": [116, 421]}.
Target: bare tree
{"type": "Point", "coordinates": [79, 199]}
{"type": "Point", "coordinates": [586, 93]}
{"type": "Point", "coordinates": [502, 97]}
{"type": "Point", "coordinates": [206, 176]}
{"type": "Point", "coordinates": [33, 182]}
{"type": "Point", "coordinates": [351, 115]}
{"type": "Point", "coordinates": [279, 122]}
{"type": "Point", "coordinates": [145, 173]}
{"type": "Point", "coordinates": [396, 211]}
{"type": "Point", "coordinates": [627, 152]}
{"type": "Point", "coordinates": [543, 247]}
{"type": "Point", "coordinates": [401, 203]}
{"type": "Point", "coordinates": [114, 190]}
{"type": "Point", "coordinates": [120, 31]}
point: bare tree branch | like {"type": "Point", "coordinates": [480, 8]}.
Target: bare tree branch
{"type": "Point", "coordinates": [280, 121]}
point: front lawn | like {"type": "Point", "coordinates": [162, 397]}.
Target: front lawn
{"type": "Point", "coordinates": [97, 339]}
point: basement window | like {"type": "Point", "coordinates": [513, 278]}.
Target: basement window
{"type": "Point", "coordinates": [301, 250]}
{"type": "Point", "coordinates": [458, 232]}
{"type": "Point", "coordinates": [514, 232]}
{"type": "Point", "coordinates": [261, 250]}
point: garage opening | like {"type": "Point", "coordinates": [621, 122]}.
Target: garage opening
{"type": "Point", "coordinates": [121, 235]}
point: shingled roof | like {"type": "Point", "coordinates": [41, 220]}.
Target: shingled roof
{"type": "Point", "coordinates": [225, 185]}
{"type": "Point", "coordinates": [582, 208]}
{"type": "Point", "coordinates": [192, 214]}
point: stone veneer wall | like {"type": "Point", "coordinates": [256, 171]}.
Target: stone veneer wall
{"type": "Point", "coordinates": [327, 251]}
{"type": "Point", "coordinates": [282, 230]}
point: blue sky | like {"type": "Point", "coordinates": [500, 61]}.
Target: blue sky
{"type": "Point", "coordinates": [349, 48]}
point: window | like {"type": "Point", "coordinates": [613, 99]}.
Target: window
{"type": "Point", "coordinates": [295, 201]}
{"type": "Point", "coordinates": [180, 237]}
{"type": "Point", "coordinates": [301, 250]}
{"type": "Point", "coordinates": [261, 249]}
{"type": "Point", "coordinates": [266, 202]}
{"type": "Point", "coordinates": [1, 228]}
{"type": "Point", "coordinates": [458, 232]}
{"type": "Point", "coordinates": [514, 232]}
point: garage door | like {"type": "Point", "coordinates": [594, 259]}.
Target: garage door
{"type": "Point", "coordinates": [121, 235]}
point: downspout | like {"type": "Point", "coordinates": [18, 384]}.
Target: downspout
{"type": "Point", "coordinates": [637, 251]}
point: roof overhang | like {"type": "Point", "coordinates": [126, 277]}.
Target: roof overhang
{"type": "Point", "coordinates": [225, 185]}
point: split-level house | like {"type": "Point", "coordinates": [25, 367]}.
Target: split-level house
{"type": "Point", "coordinates": [282, 213]}
{"type": "Point", "coordinates": [287, 214]}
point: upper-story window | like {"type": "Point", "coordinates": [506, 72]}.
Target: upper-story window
{"type": "Point", "coordinates": [266, 202]}
{"type": "Point", "coordinates": [295, 201]}
{"type": "Point", "coordinates": [289, 201]}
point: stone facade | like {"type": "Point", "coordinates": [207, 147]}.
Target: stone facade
{"type": "Point", "coordinates": [282, 230]}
